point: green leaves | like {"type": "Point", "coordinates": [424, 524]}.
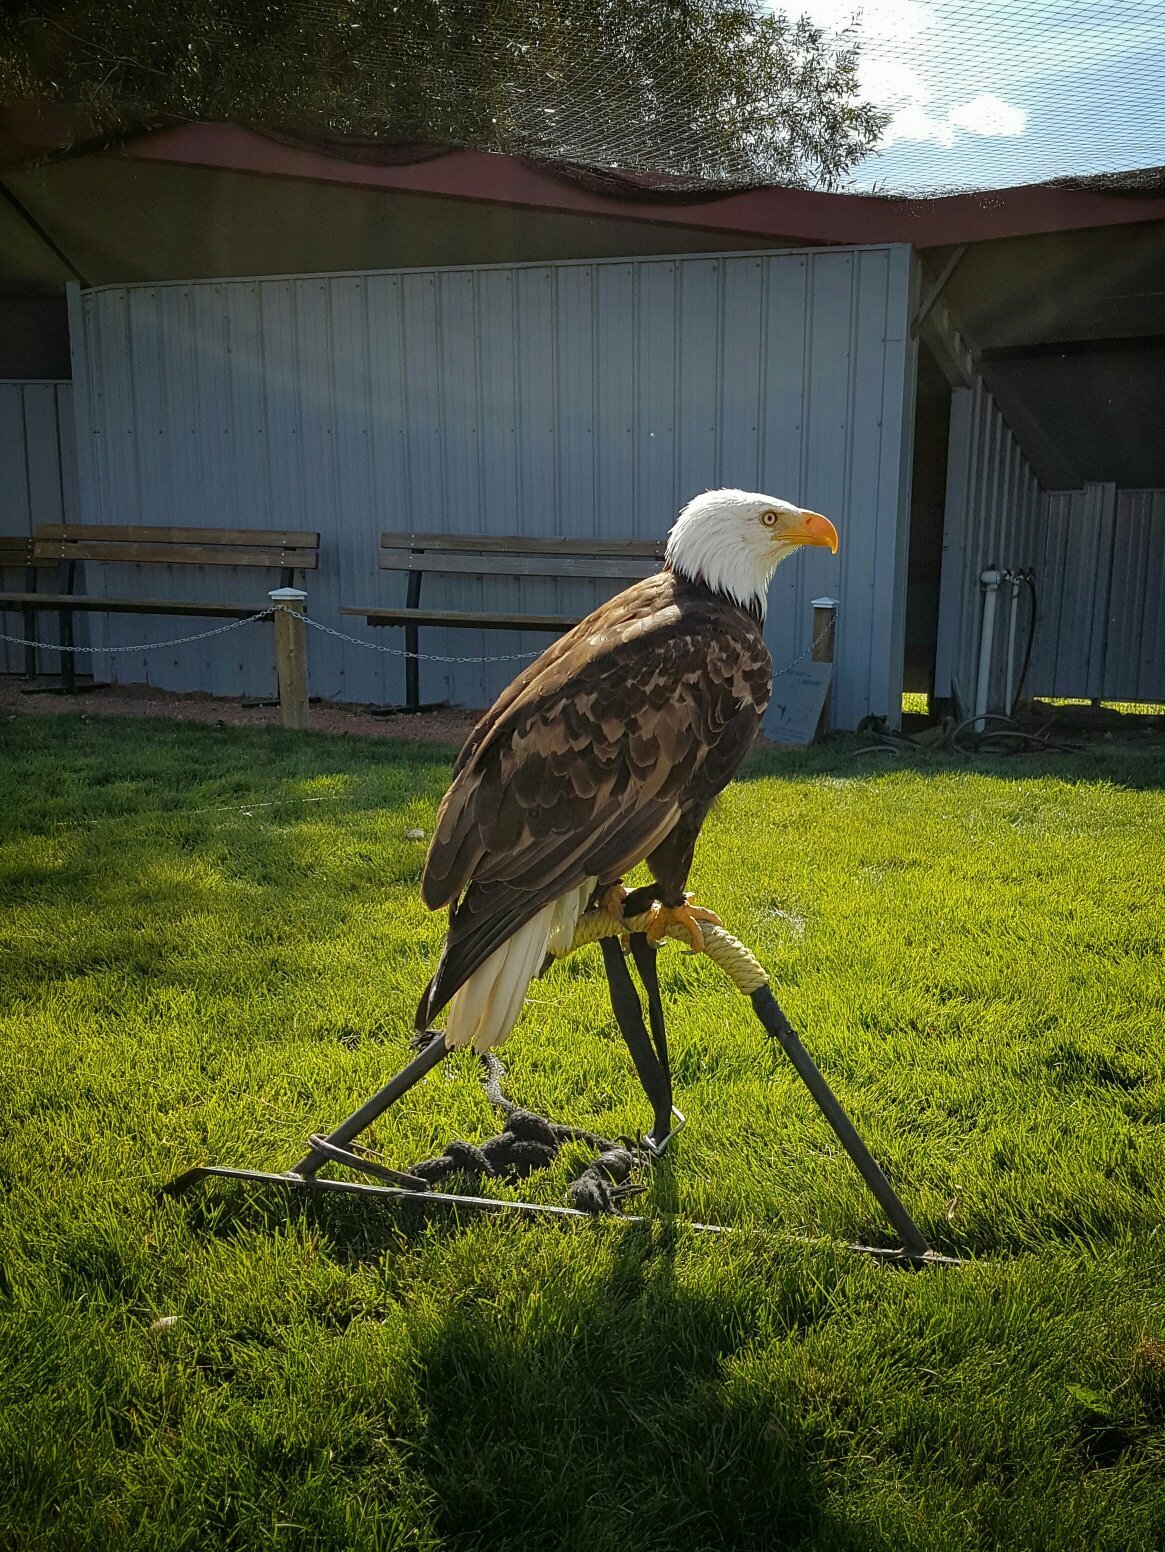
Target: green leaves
{"type": "Point", "coordinates": [702, 89]}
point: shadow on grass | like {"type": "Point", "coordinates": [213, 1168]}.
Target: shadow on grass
{"type": "Point", "coordinates": [614, 1423]}
{"type": "Point", "coordinates": [613, 1418]}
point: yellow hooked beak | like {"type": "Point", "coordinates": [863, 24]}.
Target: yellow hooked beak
{"type": "Point", "coordinates": [812, 529]}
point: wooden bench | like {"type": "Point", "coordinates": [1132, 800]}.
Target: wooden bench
{"type": "Point", "coordinates": [502, 555]}
{"type": "Point", "coordinates": [67, 546]}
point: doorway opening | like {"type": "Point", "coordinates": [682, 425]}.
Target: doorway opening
{"type": "Point", "coordinates": [932, 425]}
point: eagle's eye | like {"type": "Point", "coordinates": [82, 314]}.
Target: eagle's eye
{"type": "Point", "coordinates": [769, 519]}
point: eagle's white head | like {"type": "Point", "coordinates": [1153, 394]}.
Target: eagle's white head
{"type": "Point", "coordinates": [733, 541]}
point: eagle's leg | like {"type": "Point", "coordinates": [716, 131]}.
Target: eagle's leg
{"type": "Point", "coordinates": [667, 904]}
{"type": "Point", "coordinates": [653, 1073]}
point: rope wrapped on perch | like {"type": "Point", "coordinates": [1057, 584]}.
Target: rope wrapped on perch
{"type": "Point", "coordinates": [729, 954]}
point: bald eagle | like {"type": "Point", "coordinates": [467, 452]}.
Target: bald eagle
{"type": "Point", "coordinates": [605, 752]}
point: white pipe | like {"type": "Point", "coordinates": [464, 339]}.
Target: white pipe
{"type": "Point", "coordinates": [990, 581]}
{"type": "Point", "coordinates": [1008, 701]}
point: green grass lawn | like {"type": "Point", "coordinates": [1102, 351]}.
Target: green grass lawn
{"type": "Point", "coordinates": [213, 945]}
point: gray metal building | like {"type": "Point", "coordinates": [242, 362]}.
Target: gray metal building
{"type": "Point", "coordinates": [584, 399]}
{"type": "Point", "coordinates": [578, 391]}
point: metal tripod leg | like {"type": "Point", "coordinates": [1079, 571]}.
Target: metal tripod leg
{"type": "Point", "coordinates": [767, 1010]}
{"type": "Point", "coordinates": [424, 1062]}
{"type": "Point", "coordinates": [653, 1074]}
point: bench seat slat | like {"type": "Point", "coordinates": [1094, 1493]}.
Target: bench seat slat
{"type": "Point", "coordinates": [151, 533]}
{"type": "Point", "coordinates": [520, 565]}
{"type": "Point", "coordinates": [518, 544]}
{"type": "Point", "coordinates": [458, 618]}
{"type": "Point", "coordinates": [169, 554]}
{"type": "Point", "coordinates": [129, 605]}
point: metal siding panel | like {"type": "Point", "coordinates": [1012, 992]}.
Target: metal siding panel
{"type": "Point", "coordinates": [537, 472]}
{"type": "Point", "coordinates": [499, 410]}
{"type": "Point", "coordinates": [862, 577]}
{"type": "Point", "coordinates": [740, 372]}
{"type": "Point", "coordinates": [245, 442]}
{"type": "Point", "coordinates": [422, 409]}
{"type": "Point", "coordinates": [15, 503]}
{"type": "Point", "coordinates": [952, 585]}
{"type": "Point", "coordinates": [615, 369]}
{"type": "Point", "coordinates": [1049, 582]}
{"type": "Point", "coordinates": [1001, 528]}
{"type": "Point", "coordinates": [15, 508]}
{"type": "Point", "coordinates": [781, 439]}
{"type": "Point", "coordinates": [1079, 561]}
{"type": "Point", "coordinates": [824, 453]}
{"type": "Point", "coordinates": [980, 505]}
{"type": "Point", "coordinates": [576, 392]}
{"type": "Point", "coordinates": [67, 431]}
{"type": "Point", "coordinates": [38, 478]}
{"type": "Point", "coordinates": [1126, 601]}
{"type": "Point", "coordinates": [1151, 670]}
{"type": "Point", "coordinates": [150, 410]}
{"type": "Point", "coordinates": [42, 440]}
{"type": "Point", "coordinates": [656, 497]}
{"type": "Point", "coordinates": [380, 676]}
{"type": "Point", "coordinates": [897, 462]}
{"type": "Point", "coordinates": [697, 386]}
{"type": "Point", "coordinates": [461, 469]}
{"type": "Point", "coordinates": [349, 571]}
{"type": "Point", "coordinates": [1101, 584]}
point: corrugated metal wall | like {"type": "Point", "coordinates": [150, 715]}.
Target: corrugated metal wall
{"type": "Point", "coordinates": [992, 519]}
{"type": "Point", "coordinates": [1101, 579]}
{"type": "Point", "coordinates": [38, 481]}
{"type": "Point", "coordinates": [576, 398]}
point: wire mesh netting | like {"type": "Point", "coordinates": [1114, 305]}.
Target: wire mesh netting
{"type": "Point", "coordinates": [994, 93]}
{"type": "Point", "coordinates": [898, 96]}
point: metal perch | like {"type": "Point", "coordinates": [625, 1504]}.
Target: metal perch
{"type": "Point", "coordinates": [746, 974]}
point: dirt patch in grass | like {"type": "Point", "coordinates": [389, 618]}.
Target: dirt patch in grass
{"type": "Point", "coordinates": [447, 726]}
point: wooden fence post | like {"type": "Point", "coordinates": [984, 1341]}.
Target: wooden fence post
{"type": "Point", "coordinates": [824, 629]}
{"type": "Point", "coordinates": [291, 654]}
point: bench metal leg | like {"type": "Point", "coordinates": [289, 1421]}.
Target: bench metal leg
{"type": "Point", "coordinates": [413, 647]}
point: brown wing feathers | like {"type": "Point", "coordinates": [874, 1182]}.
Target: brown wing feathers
{"type": "Point", "coordinates": [586, 762]}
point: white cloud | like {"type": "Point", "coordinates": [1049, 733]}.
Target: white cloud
{"type": "Point", "coordinates": [983, 115]}
{"type": "Point", "coordinates": [904, 66]}
{"type": "Point", "coordinates": [989, 115]}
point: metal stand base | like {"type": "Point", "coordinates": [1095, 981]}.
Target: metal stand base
{"type": "Point", "coordinates": [455, 1201]}
{"type": "Point", "coordinates": [337, 1148]}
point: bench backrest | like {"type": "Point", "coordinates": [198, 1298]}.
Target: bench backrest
{"type": "Point", "coordinates": [290, 549]}
{"type": "Point", "coordinates": [18, 551]}
{"type": "Point", "coordinates": [513, 555]}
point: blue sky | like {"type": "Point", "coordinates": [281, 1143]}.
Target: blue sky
{"type": "Point", "coordinates": [998, 92]}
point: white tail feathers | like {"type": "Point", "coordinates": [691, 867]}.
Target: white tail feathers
{"type": "Point", "coordinates": [485, 1009]}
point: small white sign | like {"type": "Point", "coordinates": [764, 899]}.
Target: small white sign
{"type": "Point", "coordinates": [795, 709]}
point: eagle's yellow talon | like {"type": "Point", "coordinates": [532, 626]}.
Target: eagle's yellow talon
{"type": "Point", "coordinates": [661, 917]}
{"type": "Point", "coordinates": [611, 900]}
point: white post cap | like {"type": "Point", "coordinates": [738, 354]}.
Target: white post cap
{"type": "Point", "coordinates": [825, 603]}
{"type": "Point", "coordinates": [287, 595]}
